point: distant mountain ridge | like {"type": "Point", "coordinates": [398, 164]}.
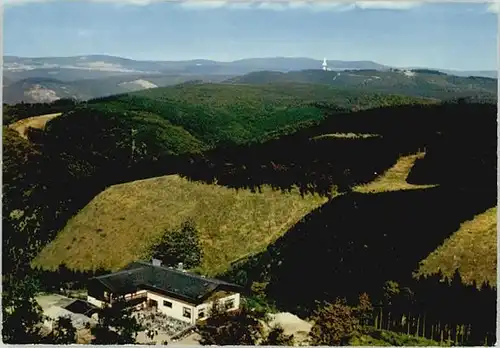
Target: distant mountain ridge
{"type": "Point", "coordinates": [97, 66]}
{"type": "Point", "coordinates": [45, 79]}
{"type": "Point", "coordinates": [108, 65]}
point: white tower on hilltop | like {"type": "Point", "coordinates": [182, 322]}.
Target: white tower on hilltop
{"type": "Point", "coordinates": [325, 64]}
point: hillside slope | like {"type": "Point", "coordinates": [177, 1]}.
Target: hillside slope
{"type": "Point", "coordinates": [313, 164]}
{"type": "Point", "coordinates": [141, 135]}
{"type": "Point", "coordinates": [38, 90]}
{"type": "Point", "coordinates": [38, 122]}
{"type": "Point", "coordinates": [472, 250]}
{"type": "Point", "coordinates": [124, 222]}
{"type": "Point", "coordinates": [47, 88]}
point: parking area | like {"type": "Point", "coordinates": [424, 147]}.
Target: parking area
{"type": "Point", "coordinates": [48, 300]}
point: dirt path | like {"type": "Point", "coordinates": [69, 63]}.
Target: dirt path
{"type": "Point", "coordinates": [35, 122]}
{"type": "Point", "coordinates": [394, 179]}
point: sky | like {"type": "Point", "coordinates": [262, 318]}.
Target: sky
{"type": "Point", "coordinates": [436, 35]}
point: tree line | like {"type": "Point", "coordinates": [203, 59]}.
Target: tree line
{"type": "Point", "coordinates": [460, 151]}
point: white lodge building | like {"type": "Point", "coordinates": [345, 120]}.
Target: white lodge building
{"type": "Point", "coordinates": [176, 293]}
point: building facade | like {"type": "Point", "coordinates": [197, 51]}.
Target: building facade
{"type": "Point", "coordinates": [178, 294]}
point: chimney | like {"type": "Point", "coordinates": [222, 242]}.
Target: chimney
{"type": "Point", "coordinates": [156, 262]}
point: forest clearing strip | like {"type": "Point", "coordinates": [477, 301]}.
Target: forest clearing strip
{"type": "Point", "coordinates": [394, 179]}
{"type": "Point", "coordinates": [37, 122]}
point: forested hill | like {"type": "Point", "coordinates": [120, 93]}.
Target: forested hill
{"type": "Point", "coordinates": [148, 133]}
{"type": "Point", "coordinates": [263, 146]}
{"type": "Point", "coordinates": [43, 86]}
{"type": "Point", "coordinates": [218, 114]}
{"type": "Point", "coordinates": [419, 82]}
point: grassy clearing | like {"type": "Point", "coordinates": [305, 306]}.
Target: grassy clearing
{"type": "Point", "coordinates": [394, 179]}
{"type": "Point", "coordinates": [346, 136]}
{"type": "Point", "coordinates": [472, 250]}
{"type": "Point", "coordinates": [38, 122]}
{"type": "Point", "coordinates": [125, 221]}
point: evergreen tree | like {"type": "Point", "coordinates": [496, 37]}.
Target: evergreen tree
{"type": "Point", "coordinates": [364, 310]}
{"type": "Point", "coordinates": [334, 325]}
{"type": "Point", "coordinates": [391, 291]}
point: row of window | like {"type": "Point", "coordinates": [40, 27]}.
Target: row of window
{"type": "Point", "coordinates": [186, 312]}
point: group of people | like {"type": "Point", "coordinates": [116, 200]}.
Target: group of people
{"type": "Point", "coordinates": [151, 334]}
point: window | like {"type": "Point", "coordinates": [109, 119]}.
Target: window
{"type": "Point", "coordinates": [201, 313]}
{"type": "Point", "coordinates": [152, 303]}
{"type": "Point", "coordinates": [186, 312]}
{"type": "Point", "coordinates": [229, 304]}
{"type": "Point", "coordinates": [167, 304]}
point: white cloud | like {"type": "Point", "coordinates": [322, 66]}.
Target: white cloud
{"type": "Point", "coordinates": [299, 4]}
{"type": "Point", "coordinates": [203, 4]}
{"type": "Point", "coordinates": [118, 2]}
{"type": "Point", "coordinates": [389, 5]}
{"type": "Point", "coordinates": [494, 7]}
{"type": "Point", "coordinates": [21, 2]}
{"type": "Point", "coordinates": [318, 6]}
{"type": "Point", "coordinates": [313, 5]}
{"type": "Point", "coordinates": [273, 5]}
{"type": "Point", "coordinates": [241, 5]}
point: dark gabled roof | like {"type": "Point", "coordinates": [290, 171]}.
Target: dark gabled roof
{"type": "Point", "coordinates": [81, 307]}
{"type": "Point", "coordinates": [142, 275]}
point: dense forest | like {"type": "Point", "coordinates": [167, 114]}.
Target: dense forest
{"type": "Point", "coordinates": [285, 136]}
{"type": "Point", "coordinates": [317, 163]}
